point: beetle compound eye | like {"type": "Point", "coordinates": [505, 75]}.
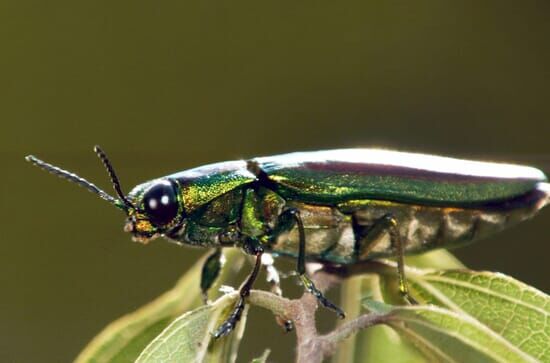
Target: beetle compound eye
{"type": "Point", "coordinates": [160, 203]}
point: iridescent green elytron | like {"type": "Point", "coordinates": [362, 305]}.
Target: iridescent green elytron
{"type": "Point", "coordinates": [336, 206]}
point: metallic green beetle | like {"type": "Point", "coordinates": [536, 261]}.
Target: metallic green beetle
{"type": "Point", "coordinates": [337, 206]}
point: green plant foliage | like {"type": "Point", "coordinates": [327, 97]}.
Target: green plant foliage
{"type": "Point", "coordinates": [514, 311]}
{"type": "Point", "coordinates": [263, 358]}
{"type": "Point", "coordinates": [446, 336]}
{"type": "Point", "coordinates": [189, 337]}
{"type": "Point", "coordinates": [124, 339]}
{"type": "Point", "coordinates": [382, 343]}
{"type": "Point", "coordinates": [505, 314]}
{"type": "Point", "coordinates": [463, 316]}
{"type": "Point", "coordinates": [371, 345]}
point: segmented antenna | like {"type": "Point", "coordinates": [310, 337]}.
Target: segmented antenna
{"type": "Point", "coordinates": [73, 178]}
{"type": "Point", "coordinates": [114, 179]}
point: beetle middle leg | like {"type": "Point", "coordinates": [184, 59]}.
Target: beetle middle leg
{"type": "Point", "coordinates": [287, 219]}
{"type": "Point", "coordinates": [388, 223]}
{"type": "Point", "coordinates": [229, 324]}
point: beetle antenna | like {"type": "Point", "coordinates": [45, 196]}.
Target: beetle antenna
{"type": "Point", "coordinates": [114, 179]}
{"type": "Point", "coordinates": [73, 178]}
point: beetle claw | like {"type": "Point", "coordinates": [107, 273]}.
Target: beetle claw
{"type": "Point", "coordinates": [224, 329]}
{"type": "Point", "coordinates": [285, 324]}
{"type": "Point", "coordinates": [312, 289]}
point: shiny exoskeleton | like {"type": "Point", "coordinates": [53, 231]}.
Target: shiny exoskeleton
{"type": "Point", "coordinates": [337, 206]}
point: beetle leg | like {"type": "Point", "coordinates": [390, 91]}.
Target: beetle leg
{"type": "Point", "coordinates": [397, 245]}
{"type": "Point", "coordinates": [389, 223]}
{"type": "Point", "coordinates": [274, 281]}
{"type": "Point", "coordinates": [210, 271]}
{"type": "Point", "coordinates": [229, 324]}
{"type": "Point", "coordinates": [301, 266]}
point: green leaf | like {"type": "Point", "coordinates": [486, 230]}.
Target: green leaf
{"type": "Point", "coordinates": [189, 338]}
{"type": "Point", "coordinates": [262, 358]}
{"type": "Point", "coordinates": [382, 343]}
{"type": "Point", "coordinates": [518, 313]}
{"type": "Point", "coordinates": [376, 306]}
{"type": "Point", "coordinates": [437, 259]}
{"type": "Point", "coordinates": [447, 336]}
{"type": "Point", "coordinates": [376, 344]}
{"type": "Point", "coordinates": [124, 339]}
{"type": "Point", "coordinates": [466, 316]}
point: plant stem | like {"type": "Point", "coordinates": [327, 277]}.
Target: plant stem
{"type": "Point", "coordinates": [345, 352]}
{"type": "Point", "coordinates": [312, 347]}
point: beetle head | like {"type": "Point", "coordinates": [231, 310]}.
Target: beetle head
{"type": "Point", "coordinates": [153, 208]}
{"type": "Point", "coordinates": [156, 210]}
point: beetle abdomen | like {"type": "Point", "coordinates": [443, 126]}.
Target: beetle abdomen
{"type": "Point", "coordinates": [330, 235]}
{"type": "Point", "coordinates": [425, 228]}
{"type": "Point", "coordinates": [334, 176]}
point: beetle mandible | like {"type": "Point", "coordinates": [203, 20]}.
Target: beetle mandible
{"type": "Point", "coordinates": [336, 206]}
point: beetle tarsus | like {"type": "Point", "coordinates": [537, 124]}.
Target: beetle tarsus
{"type": "Point", "coordinates": [409, 299]}
{"type": "Point", "coordinates": [287, 325]}
{"type": "Point", "coordinates": [229, 324]}
{"type": "Point", "coordinates": [312, 289]}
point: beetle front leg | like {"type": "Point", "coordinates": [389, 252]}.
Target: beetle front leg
{"type": "Point", "coordinates": [210, 271]}
{"type": "Point", "coordinates": [229, 324]}
{"type": "Point", "coordinates": [301, 265]}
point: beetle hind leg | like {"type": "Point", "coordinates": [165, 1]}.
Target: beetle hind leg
{"type": "Point", "coordinates": [397, 244]}
{"type": "Point", "coordinates": [367, 240]}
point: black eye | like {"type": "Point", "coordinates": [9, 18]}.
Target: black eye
{"type": "Point", "coordinates": [160, 203]}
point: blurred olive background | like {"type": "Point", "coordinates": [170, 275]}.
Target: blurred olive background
{"type": "Point", "coordinates": [165, 86]}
